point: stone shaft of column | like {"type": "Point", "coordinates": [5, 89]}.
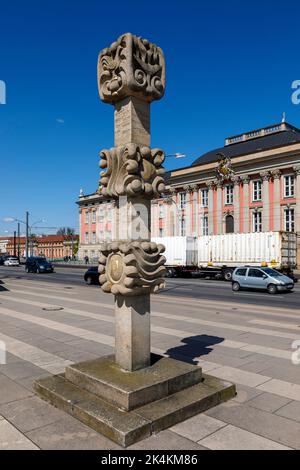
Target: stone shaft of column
{"type": "Point", "coordinates": [132, 122]}
{"type": "Point", "coordinates": [132, 337]}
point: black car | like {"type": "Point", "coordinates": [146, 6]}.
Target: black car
{"type": "Point", "coordinates": [91, 276]}
{"type": "Point", "coordinates": [38, 264]}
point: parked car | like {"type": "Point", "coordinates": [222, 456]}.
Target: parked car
{"type": "Point", "coordinates": [91, 276]}
{"type": "Point", "coordinates": [261, 278]}
{"type": "Point", "coordinates": [38, 264]}
{"type": "Point", "coordinates": [11, 261]}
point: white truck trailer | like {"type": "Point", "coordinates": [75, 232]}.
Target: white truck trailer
{"type": "Point", "coordinates": [218, 255]}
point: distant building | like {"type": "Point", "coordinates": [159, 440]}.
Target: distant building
{"type": "Point", "coordinates": [51, 246]}
{"type": "Point", "coordinates": [252, 184]}
{"type": "Point", "coordinates": [3, 245]}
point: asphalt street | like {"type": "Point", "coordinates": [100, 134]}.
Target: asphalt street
{"type": "Point", "coordinates": [185, 287]}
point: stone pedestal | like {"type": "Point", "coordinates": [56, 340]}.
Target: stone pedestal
{"type": "Point", "coordinates": [126, 406]}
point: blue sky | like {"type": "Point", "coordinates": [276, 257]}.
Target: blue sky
{"type": "Point", "coordinates": [230, 65]}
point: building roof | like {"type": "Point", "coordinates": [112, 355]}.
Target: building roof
{"type": "Point", "coordinates": [46, 239]}
{"type": "Point", "coordinates": [277, 135]}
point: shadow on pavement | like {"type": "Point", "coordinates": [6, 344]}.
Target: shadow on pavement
{"type": "Point", "coordinates": [193, 347]}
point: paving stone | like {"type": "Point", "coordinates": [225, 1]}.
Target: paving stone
{"type": "Point", "coordinates": [11, 391]}
{"type": "Point", "coordinates": [268, 402]}
{"type": "Point", "coordinates": [166, 440]}
{"type": "Point", "coordinates": [233, 438]}
{"type": "Point", "coordinates": [21, 370]}
{"type": "Point", "coordinates": [70, 434]}
{"type": "Point", "coordinates": [12, 439]}
{"type": "Point", "coordinates": [290, 411]}
{"type": "Point", "coordinates": [30, 413]}
{"type": "Point", "coordinates": [271, 426]}
{"type": "Point", "coordinates": [282, 388]}
{"type": "Point", "coordinates": [198, 427]}
{"type": "Point", "coordinates": [239, 376]}
{"type": "Point", "coordinates": [245, 393]}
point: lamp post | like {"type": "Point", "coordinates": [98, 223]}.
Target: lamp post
{"type": "Point", "coordinates": [28, 229]}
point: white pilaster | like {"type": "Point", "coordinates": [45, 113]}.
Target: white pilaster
{"type": "Point", "coordinates": [236, 203]}
{"type": "Point", "coordinates": [210, 186]}
{"type": "Point", "coordinates": [276, 199]}
{"type": "Point", "coordinates": [246, 225]}
{"type": "Point", "coordinates": [266, 201]}
{"type": "Point", "coordinates": [219, 207]}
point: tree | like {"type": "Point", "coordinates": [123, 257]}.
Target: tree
{"type": "Point", "coordinates": [66, 231]}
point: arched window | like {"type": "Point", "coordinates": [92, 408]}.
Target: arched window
{"type": "Point", "coordinates": [229, 221]}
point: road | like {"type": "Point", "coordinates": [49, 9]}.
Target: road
{"type": "Point", "coordinates": [190, 288]}
{"type": "Point", "coordinates": [50, 321]}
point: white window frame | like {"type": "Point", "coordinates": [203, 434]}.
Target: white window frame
{"type": "Point", "coordinates": [289, 185]}
{"type": "Point", "coordinates": [229, 189]}
{"type": "Point", "coordinates": [289, 219]}
{"type": "Point", "coordinates": [182, 200]}
{"type": "Point", "coordinates": [182, 226]}
{"type": "Point", "coordinates": [87, 217]}
{"type": "Point", "coordinates": [257, 224]}
{"type": "Point", "coordinates": [204, 197]}
{"type": "Point", "coordinates": [93, 216]}
{"type": "Point", "coordinates": [204, 225]}
{"type": "Point", "coordinates": [256, 190]}
{"type": "Point", "coordinates": [86, 238]}
{"type": "Point", "coordinates": [94, 238]}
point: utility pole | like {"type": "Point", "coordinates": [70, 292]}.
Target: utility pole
{"type": "Point", "coordinates": [27, 233]}
{"type": "Point", "coordinates": [19, 240]}
{"type": "Point", "coordinates": [15, 243]}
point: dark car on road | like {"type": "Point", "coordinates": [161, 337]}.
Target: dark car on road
{"type": "Point", "coordinates": [38, 264]}
{"type": "Point", "coordinates": [91, 276]}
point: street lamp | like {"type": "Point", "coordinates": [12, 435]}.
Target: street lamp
{"type": "Point", "coordinates": [28, 229]}
{"type": "Point", "coordinates": [176, 155]}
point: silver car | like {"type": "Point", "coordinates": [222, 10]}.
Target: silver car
{"type": "Point", "coordinates": [261, 278]}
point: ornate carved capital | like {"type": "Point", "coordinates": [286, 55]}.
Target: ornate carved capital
{"type": "Point", "coordinates": [210, 184]}
{"type": "Point", "coordinates": [245, 179]}
{"type": "Point", "coordinates": [131, 268]}
{"type": "Point", "coordinates": [194, 187]}
{"type": "Point", "coordinates": [276, 174]}
{"type": "Point", "coordinates": [236, 180]}
{"type": "Point", "coordinates": [296, 169]}
{"type": "Point", "coordinates": [265, 175]}
{"type": "Point", "coordinates": [132, 171]}
{"type": "Point", "coordinates": [219, 184]}
{"type": "Point", "coordinates": [131, 66]}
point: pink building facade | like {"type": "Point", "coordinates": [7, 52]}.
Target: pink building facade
{"type": "Point", "coordinates": [251, 184]}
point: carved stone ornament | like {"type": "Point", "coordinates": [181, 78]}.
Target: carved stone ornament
{"type": "Point", "coordinates": [132, 171]}
{"type": "Point", "coordinates": [224, 170]}
{"type": "Point", "coordinates": [131, 66]}
{"type": "Point", "coordinates": [131, 268]}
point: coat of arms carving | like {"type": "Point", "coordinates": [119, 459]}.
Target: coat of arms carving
{"type": "Point", "coordinates": [224, 169]}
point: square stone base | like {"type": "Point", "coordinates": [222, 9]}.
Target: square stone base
{"type": "Point", "coordinates": [126, 406]}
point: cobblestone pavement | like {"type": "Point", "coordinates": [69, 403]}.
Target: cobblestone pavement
{"type": "Point", "coordinates": [46, 326]}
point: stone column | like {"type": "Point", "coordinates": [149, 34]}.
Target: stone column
{"type": "Point", "coordinates": [210, 185]}
{"type": "Point", "coordinates": [265, 175]}
{"type": "Point", "coordinates": [236, 203]}
{"type": "Point", "coordinates": [297, 210]}
{"type": "Point", "coordinates": [219, 207]}
{"type": "Point", "coordinates": [276, 208]}
{"type": "Point", "coordinates": [246, 180]}
{"type": "Point", "coordinates": [131, 74]}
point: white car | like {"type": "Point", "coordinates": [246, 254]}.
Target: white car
{"type": "Point", "coordinates": [11, 261]}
